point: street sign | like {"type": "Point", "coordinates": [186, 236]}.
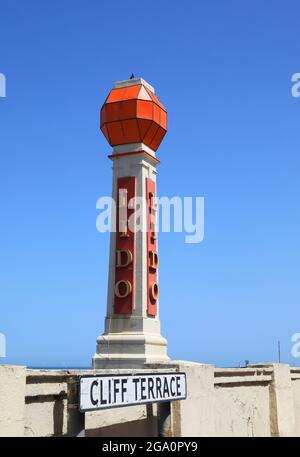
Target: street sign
{"type": "Point", "coordinates": [99, 392]}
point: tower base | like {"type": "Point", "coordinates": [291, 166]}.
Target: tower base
{"type": "Point", "coordinates": [129, 350]}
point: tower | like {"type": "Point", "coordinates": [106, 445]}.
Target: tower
{"type": "Point", "coordinates": [134, 122]}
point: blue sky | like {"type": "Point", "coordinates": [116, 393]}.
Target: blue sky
{"type": "Point", "coordinates": [223, 70]}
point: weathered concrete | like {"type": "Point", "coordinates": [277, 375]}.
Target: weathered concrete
{"type": "Point", "coordinates": [127, 421]}
{"type": "Point", "coordinates": [12, 400]}
{"type": "Point", "coordinates": [195, 415]}
{"type": "Point", "coordinates": [283, 401]}
{"type": "Point", "coordinates": [295, 377]}
{"type": "Point", "coordinates": [260, 400]}
{"type": "Point", "coordinates": [242, 402]}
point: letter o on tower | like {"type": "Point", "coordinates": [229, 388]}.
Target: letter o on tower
{"type": "Point", "coordinates": [154, 291]}
{"type": "Point", "coordinates": [125, 285]}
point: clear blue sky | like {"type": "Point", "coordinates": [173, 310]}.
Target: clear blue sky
{"type": "Point", "coordinates": [223, 70]}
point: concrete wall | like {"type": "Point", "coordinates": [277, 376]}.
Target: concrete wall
{"type": "Point", "coordinates": [242, 411]}
{"type": "Point", "coordinates": [295, 377]}
{"type": "Point", "coordinates": [242, 402]}
{"type": "Point", "coordinates": [12, 400]}
{"type": "Point", "coordinates": [194, 416]}
{"type": "Point", "coordinates": [260, 400]}
{"type": "Point", "coordinates": [140, 420]}
{"type": "Point", "coordinates": [46, 403]}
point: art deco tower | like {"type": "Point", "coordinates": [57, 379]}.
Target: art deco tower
{"type": "Point", "coordinates": [134, 122]}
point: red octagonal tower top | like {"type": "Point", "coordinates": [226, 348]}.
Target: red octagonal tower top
{"type": "Point", "coordinates": [133, 114]}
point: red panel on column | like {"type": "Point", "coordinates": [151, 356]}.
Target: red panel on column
{"type": "Point", "coordinates": [125, 245]}
{"type": "Point", "coordinates": [152, 253]}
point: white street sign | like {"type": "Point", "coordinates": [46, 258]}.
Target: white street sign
{"type": "Point", "coordinates": [98, 392]}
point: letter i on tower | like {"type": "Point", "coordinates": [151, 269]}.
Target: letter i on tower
{"type": "Point", "coordinates": [134, 122]}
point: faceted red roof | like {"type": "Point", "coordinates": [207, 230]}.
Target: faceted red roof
{"type": "Point", "coordinates": [133, 114]}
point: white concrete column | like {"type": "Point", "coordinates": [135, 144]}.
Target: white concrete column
{"type": "Point", "coordinates": [282, 407]}
{"type": "Point", "coordinates": [194, 416]}
{"type": "Point", "coordinates": [135, 339]}
{"type": "Point", "coordinates": [282, 402]}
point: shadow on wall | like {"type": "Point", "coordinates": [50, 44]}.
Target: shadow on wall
{"type": "Point", "coordinates": [143, 427]}
{"type": "Point", "coordinates": [58, 417]}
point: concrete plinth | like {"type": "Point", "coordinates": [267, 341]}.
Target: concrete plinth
{"type": "Point", "coordinates": [129, 350]}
